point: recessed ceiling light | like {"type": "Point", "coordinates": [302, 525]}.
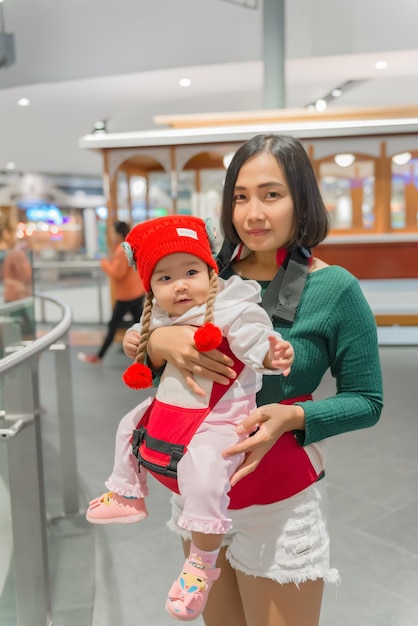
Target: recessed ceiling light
{"type": "Point", "coordinates": [344, 160]}
{"type": "Point", "coordinates": [321, 105]}
{"type": "Point", "coordinates": [138, 187]}
{"type": "Point", "coordinates": [381, 65]}
{"type": "Point", "coordinates": [10, 165]}
{"type": "Point", "coordinates": [185, 82]}
{"type": "Point", "coordinates": [336, 93]}
{"type": "Point", "coordinates": [23, 102]}
{"type": "Point", "coordinates": [402, 158]}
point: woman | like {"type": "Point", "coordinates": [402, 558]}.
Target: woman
{"type": "Point", "coordinates": [16, 275]}
{"type": "Point", "coordinates": [127, 289]}
{"type": "Point", "coordinates": [276, 558]}
{"type": "Point", "coordinates": [16, 267]}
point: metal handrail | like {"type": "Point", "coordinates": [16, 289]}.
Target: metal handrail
{"type": "Point", "coordinates": [25, 464]}
{"type": "Point", "coordinates": [77, 265]}
{"type": "Point", "coordinates": [13, 360]}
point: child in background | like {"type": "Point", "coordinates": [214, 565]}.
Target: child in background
{"type": "Point", "coordinates": [174, 260]}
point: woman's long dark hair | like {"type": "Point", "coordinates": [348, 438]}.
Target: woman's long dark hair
{"type": "Point", "coordinates": [311, 221]}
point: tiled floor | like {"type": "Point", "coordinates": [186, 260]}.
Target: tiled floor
{"type": "Point", "coordinates": [119, 575]}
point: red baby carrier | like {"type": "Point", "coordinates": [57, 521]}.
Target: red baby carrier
{"type": "Point", "coordinates": [162, 435]}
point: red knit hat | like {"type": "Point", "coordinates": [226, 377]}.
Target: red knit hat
{"type": "Point", "coordinates": [152, 240]}
{"type": "Point", "coordinates": [145, 246]}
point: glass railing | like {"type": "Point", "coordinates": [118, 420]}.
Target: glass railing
{"type": "Point", "coordinates": [81, 283]}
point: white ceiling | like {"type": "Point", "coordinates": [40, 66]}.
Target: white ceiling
{"type": "Point", "coordinates": [85, 60]}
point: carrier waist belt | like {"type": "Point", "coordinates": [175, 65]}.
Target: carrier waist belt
{"type": "Point", "coordinates": [284, 471]}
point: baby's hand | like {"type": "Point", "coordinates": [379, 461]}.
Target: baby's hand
{"type": "Point", "coordinates": [281, 354]}
{"type": "Point", "coordinates": [130, 343]}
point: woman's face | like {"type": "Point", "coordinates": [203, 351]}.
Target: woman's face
{"type": "Point", "coordinates": [263, 213]}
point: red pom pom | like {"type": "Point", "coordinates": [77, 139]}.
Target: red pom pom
{"type": "Point", "coordinates": [137, 376]}
{"type": "Point", "coordinates": [207, 337]}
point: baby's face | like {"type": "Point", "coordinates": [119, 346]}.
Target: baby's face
{"type": "Point", "coordinates": [179, 282]}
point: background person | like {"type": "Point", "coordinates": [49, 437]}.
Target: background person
{"type": "Point", "coordinates": [16, 275]}
{"type": "Point", "coordinates": [276, 558]}
{"type": "Point", "coordinates": [16, 267]}
{"type": "Point", "coordinates": [127, 289]}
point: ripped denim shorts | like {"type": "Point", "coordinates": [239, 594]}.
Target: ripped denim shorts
{"type": "Point", "coordinates": [286, 541]}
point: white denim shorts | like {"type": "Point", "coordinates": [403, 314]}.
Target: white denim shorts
{"type": "Point", "coordinates": [286, 541]}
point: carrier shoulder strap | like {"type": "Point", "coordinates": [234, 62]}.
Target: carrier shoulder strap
{"type": "Point", "coordinates": [282, 296]}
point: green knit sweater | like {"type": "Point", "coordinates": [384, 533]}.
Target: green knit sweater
{"type": "Point", "coordinates": [334, 328]}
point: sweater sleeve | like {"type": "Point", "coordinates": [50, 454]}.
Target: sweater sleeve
{"type": "Point", "coordinates": [355, 365]}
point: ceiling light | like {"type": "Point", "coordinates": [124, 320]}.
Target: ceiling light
{"type": "Point", "coordinates": [344, 160]}
{"type": "Point", "coordinates": [402, 158]}
{"type": "Point", "coordinates": [138, 187]}
{"type": "Point", "coordinates": [321, 105]}
{"type": "Point", "coordinates": [100, 127]}
{"type": "Point", "coordinates": [329, 97]}
{"type": "Point", "coordinates": [185, 82]}
{"type": "Point", "coordinates": [10, 165]}
{"type": "Point", "coordinates": [381, 65]}
{"type": "Point", "coordinates": [23, 102]}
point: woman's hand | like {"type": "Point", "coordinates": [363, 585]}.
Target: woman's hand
{"type": "Point", "coordinates": [130, 343]}
{"type": "Point", "coordinates": [272, 420]}
{"type": "Point", "coordinates": [175, 344]}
